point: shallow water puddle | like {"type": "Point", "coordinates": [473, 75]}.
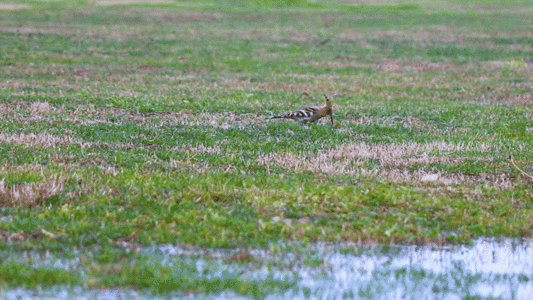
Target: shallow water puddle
{"type": "Point", "coordinates": [486, 269]}
{"type": "Point", "coordinates": [489, 268]}
{"type": "Point", "coordinates": [500, 269]}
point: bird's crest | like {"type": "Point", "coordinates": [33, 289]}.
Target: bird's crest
{"type": "Point", "coordinates": [329, 105]}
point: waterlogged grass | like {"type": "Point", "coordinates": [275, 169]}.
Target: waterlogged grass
{"type": "Point", "coordinates": [18, 274]}
{"type": "Point", "coordinates": [126, 125]}
{"type": "Point", "coordinates": [153, 272]}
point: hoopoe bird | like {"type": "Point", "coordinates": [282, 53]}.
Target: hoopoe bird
{"type": "Point", "coordinates": [309, 114]}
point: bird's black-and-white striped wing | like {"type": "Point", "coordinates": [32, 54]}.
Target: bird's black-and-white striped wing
{"type": "Point", "coordinates": [307, 112]}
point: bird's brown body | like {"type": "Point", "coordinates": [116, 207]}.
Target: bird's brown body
{"type": "Point", "coordinates": [309, 114]}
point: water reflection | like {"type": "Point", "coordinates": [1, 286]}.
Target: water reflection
{"type": "Point", "coordinates": [489, 268]}
{"type": "Point", "coordinates": [501, 269]}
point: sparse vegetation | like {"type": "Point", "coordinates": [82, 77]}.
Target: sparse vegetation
{"type": "Point", "coordinates": [126, 124]}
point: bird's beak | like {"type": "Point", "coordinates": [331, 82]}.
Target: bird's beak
{"type": "Point", "coordinates": [331, 116]}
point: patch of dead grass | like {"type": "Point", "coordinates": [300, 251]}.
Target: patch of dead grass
{"type": "Point", "coordinates": [367, 1]}
{"type": "Point", "coordinates": [11, 167]}
{"type": "Point", "coordinates": [7, 6]}
{"type": "Point", "coordinates": [183, 16]}
{"type": "Point", "coordinates": [524, 99]}
{"type": "Point", "coordinates": [365, 38]}
{"type": "Point", "coordinates": [10, 107]}
{"type": "Point", "coordinates": [198, 149]}
{"type": "Point", "coordinates": [495, 181]}
{"type": "Point", "coordinates": [408, 122]}
{"type": "Point", "coordinates": [79, 70]}
{"type": "Point", "coordinates": [227, 120]}
{"type": "Point", "coordinates": [315, 86]}
{"type": "Point", "coordinates": [121, 2]}
{"type": "Point", "coordinates": [30, 194]}
{"type": "Point", "coordinates": [399, 66]}
{"type": "Point", "coordinates": [14, 84]}
{"type": "Point", "coordinates": [200, 168]}
{"type": "Point", "coordinates": [40, 140]}
{"type": "Point", "coordinates": [339, 64]}
{"type": "Point", "coordinates": [220, 119]}
{"type": "Point", "coordinates": [223, 120]}
{"type": "Point", "coordinates": [91, 114]}
{"type": "Point", "coordinates": [35, 30]}
{"type": "Point", "coordinates": [347, 158]}
{"type": "Point", "coordinates": [482, 7]}
{"type": "Point", "coordinates": [390, 65]}
{"type": "Point", "coordinates": [319, 163]}
{"type": "Point", "coordinates": [393, 160]}
{"type": "Point", "coordinates": [40, 108]}
{"type": "Point", "coordinates": [396, 66]}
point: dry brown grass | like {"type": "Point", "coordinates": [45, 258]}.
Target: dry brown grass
{"type": "Point", "coordinates": [42, 70]}
{"type": "Point", "coordinates": [408, 122]}
{"type": "Point", "coordinates": [440, 34]}
{"type": "Point", "coordinates": [30, 194]}
{"type": "Point", "coordinates": [319, 163]}
{"type": "Point", "coordinates": [7, 6]}
{"type": "Point", "coordinates": [220, 120]}
{"type": "Point", "coordinates": [93, 114]}
{"type": "Point", "coordinates": [504, 98]}
{"type": "Point", "coordinates": [198, 149]}
{"type": "Point", "coordinates": [338, 161]}
{"type": "Point", "coordinates": [36, 109]}
{"type": "Point", "coordinates": [40, 140]}
{"type": "Point", "coordinates": [393, 160]}
{"type": "Point", "coordinates": [188, 166]}
{"type": "Point", "coordinates": [117, 2]}
{"type": "Point", "coordinates": [14, 84]}
{"type": "Point", "coordinates": [35, 30]}
{"type": "Point", "coordinates": [417, 65]}
{"type": "Point", "coordinates": [524, 99]}
{"type": "Point", "coordinates": [477, 7]}
{"type": "Point", "coordinates": [99, 114]}
{"type": "Point", "coordinates": [313, 86]}
{"type": "Point", "coordinates": [396, 66]}
{"type": "Point", "coordinates": [40, 108]}
{"type": "Point", "coordinates": [9, 107]}
{"type": "Point", "coordinates": [366, 1]}
{"type": "Point", "coordinates": [489, 181]}
{"type": "Point", "coordinates": [291, 35]}
{"type": "Point", "coordinates": [81, 71]}
{"type": "Point", "coordinates": [182, 17]}
{"type": "Point", "coordinates": [391, 65]}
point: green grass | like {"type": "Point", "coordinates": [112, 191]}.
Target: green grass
{"type": "Point", "coordinates": [154, 125]}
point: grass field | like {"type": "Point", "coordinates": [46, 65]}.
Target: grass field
{"type": "Point", "coordinates": [127, 124]}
